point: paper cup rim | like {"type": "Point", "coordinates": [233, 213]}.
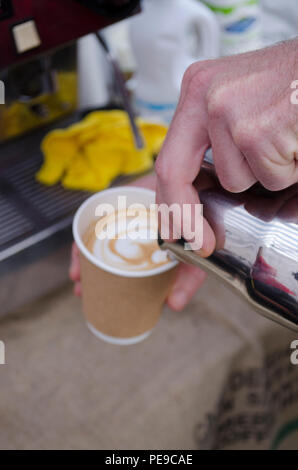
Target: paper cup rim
{"type": "Point", "coordinates": [99, 263]}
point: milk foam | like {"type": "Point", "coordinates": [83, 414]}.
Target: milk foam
{"type": "Point", "coordinates": [130, 244]}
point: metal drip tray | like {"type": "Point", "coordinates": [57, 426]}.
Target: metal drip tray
{"type": "Point", "coordinates": [35, 223]}
{"type": "Point", "coordinates": [29, 211]}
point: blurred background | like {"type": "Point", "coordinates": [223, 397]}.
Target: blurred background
{"type": "Point", "coordinates": [214, 376]}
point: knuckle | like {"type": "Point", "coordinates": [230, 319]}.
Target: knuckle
{"type": "Point", "coordinates": [274, 182]}
{"type": "Point", "coordinates": [246, 136]}
{"type": "Point", "coordinates": [232, 185]}
{"type": "Point", "coordinates": [196, 78]}
{"type": "Point", "coordinates": [270, 185]}
{"type": "Point", "coordinates": [161, 169]}
{"type": "Point", "coordinates": [264, 124]}
{"type": "Point", "coordinates": [218, 101]}
{"type": "Point", "coordinates": [249, 134]}
{"type": "Point", "coordinates": [189, 73]}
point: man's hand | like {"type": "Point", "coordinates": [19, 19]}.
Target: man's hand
{"type": "Point", "coordinates": [241, 107]}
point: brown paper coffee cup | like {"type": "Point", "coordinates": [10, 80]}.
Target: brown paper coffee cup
{"type": "Point", "coordinates": [120, 307]}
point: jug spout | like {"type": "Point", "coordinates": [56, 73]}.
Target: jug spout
{"type": "Point", "coordinates": [257, 246]}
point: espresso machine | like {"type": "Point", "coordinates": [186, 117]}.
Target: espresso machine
{"type": "Point", "coordinates": [38, 92]}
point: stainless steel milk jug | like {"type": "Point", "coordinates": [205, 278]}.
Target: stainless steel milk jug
{"type": "Point", "coordinates": [257, 245]}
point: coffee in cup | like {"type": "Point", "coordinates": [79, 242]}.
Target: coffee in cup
{"type": "Point", "coordinates": [125, 276]}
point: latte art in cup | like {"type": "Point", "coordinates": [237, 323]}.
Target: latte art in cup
{"type": "Point", "coordinates": [127, 242]}
{"type": "Point", "coordinates": [125, 277]}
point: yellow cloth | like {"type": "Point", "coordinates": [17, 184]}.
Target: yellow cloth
{"type": "Point", "coordinates": [89, 155]}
